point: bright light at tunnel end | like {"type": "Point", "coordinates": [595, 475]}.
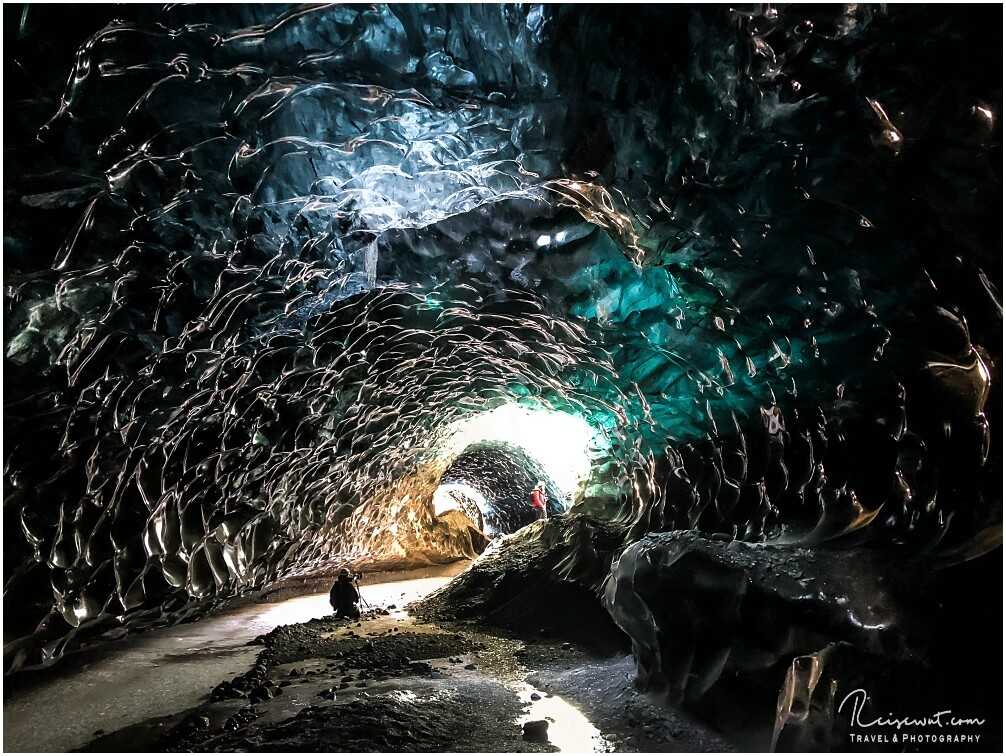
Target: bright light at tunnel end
{"type": "Point", "coordinates": [560, 442]}
{"type": "Point", "coordinates": [451, 496]}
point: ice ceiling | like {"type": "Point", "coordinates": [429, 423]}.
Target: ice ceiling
{"type": "Point", "coordinates": [269, 269]}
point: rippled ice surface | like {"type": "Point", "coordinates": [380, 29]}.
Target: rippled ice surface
{"type": "Point", "coordinates": [263, 263]}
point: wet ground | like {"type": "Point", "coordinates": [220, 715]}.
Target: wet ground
{"type": "Point", "coordinates": [388, 682]}
{"type": "Point", "coordinates": [160, 672]}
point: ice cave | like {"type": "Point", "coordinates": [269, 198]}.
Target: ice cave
{"type": "Point", "coordinates": [637, 367]}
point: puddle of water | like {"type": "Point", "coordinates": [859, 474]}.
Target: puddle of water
{"type": "Point", "coordinates": [404, 695]}
{"type": "Point", "coordinates": [568, 729]}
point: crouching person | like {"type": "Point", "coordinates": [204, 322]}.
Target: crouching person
{"type": "Point", "coordinates": [345, 596]}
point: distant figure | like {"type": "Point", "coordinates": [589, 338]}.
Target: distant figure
{"type": "Point", "coordinates": [539, 500]}
{"type": "Point", "coordinates": [345, 596]}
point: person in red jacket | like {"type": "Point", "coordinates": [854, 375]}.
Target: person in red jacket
{"type": "Point", "coordinates": [539, 500]}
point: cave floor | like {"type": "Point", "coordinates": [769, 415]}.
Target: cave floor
{"type": "Point", "coordinates": [388, 682]}
{"type": "Point", "coordinates": [150, 675]}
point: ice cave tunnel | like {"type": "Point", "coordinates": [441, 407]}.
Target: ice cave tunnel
{"type": "Point", "coordinates": [293, 287]}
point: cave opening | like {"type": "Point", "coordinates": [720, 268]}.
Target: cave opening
{"type": "Point", "coordinates": [504, 453]}
{"type": "Point", "coordinates": [496, 482]}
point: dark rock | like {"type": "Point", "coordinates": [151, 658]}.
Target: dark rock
{"type": "Point", "coordinates": [420, 668]}
{"type": "Point", "coordinates": [243, 716]}
{"type": "Point", "coordinates": [195, 722]}
{"type": "Point", "coordinates": [328, 693]}
{"type": "Point", "coordinates": [470, 666]}
{"type": "Point", "coordinates": [536, 731]}
{"type": "Point", "coordinates": [261, 693]}
{"type": "Point", "coordinates": [535, 697]}
{"type": "Point", "coordinates": [222, 691]}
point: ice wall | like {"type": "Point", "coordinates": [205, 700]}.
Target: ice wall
{"type": "Point", "coordinates": [261, 258]}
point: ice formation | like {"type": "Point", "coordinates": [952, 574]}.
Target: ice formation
{"type": "Point", "coordinates": [756, 252]}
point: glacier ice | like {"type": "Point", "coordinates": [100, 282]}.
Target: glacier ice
{"type": "Point", "coordinates": [260, 260]}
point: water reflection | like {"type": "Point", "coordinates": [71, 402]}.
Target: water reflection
{"type": "Point", "coordinates": [568, 729]}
